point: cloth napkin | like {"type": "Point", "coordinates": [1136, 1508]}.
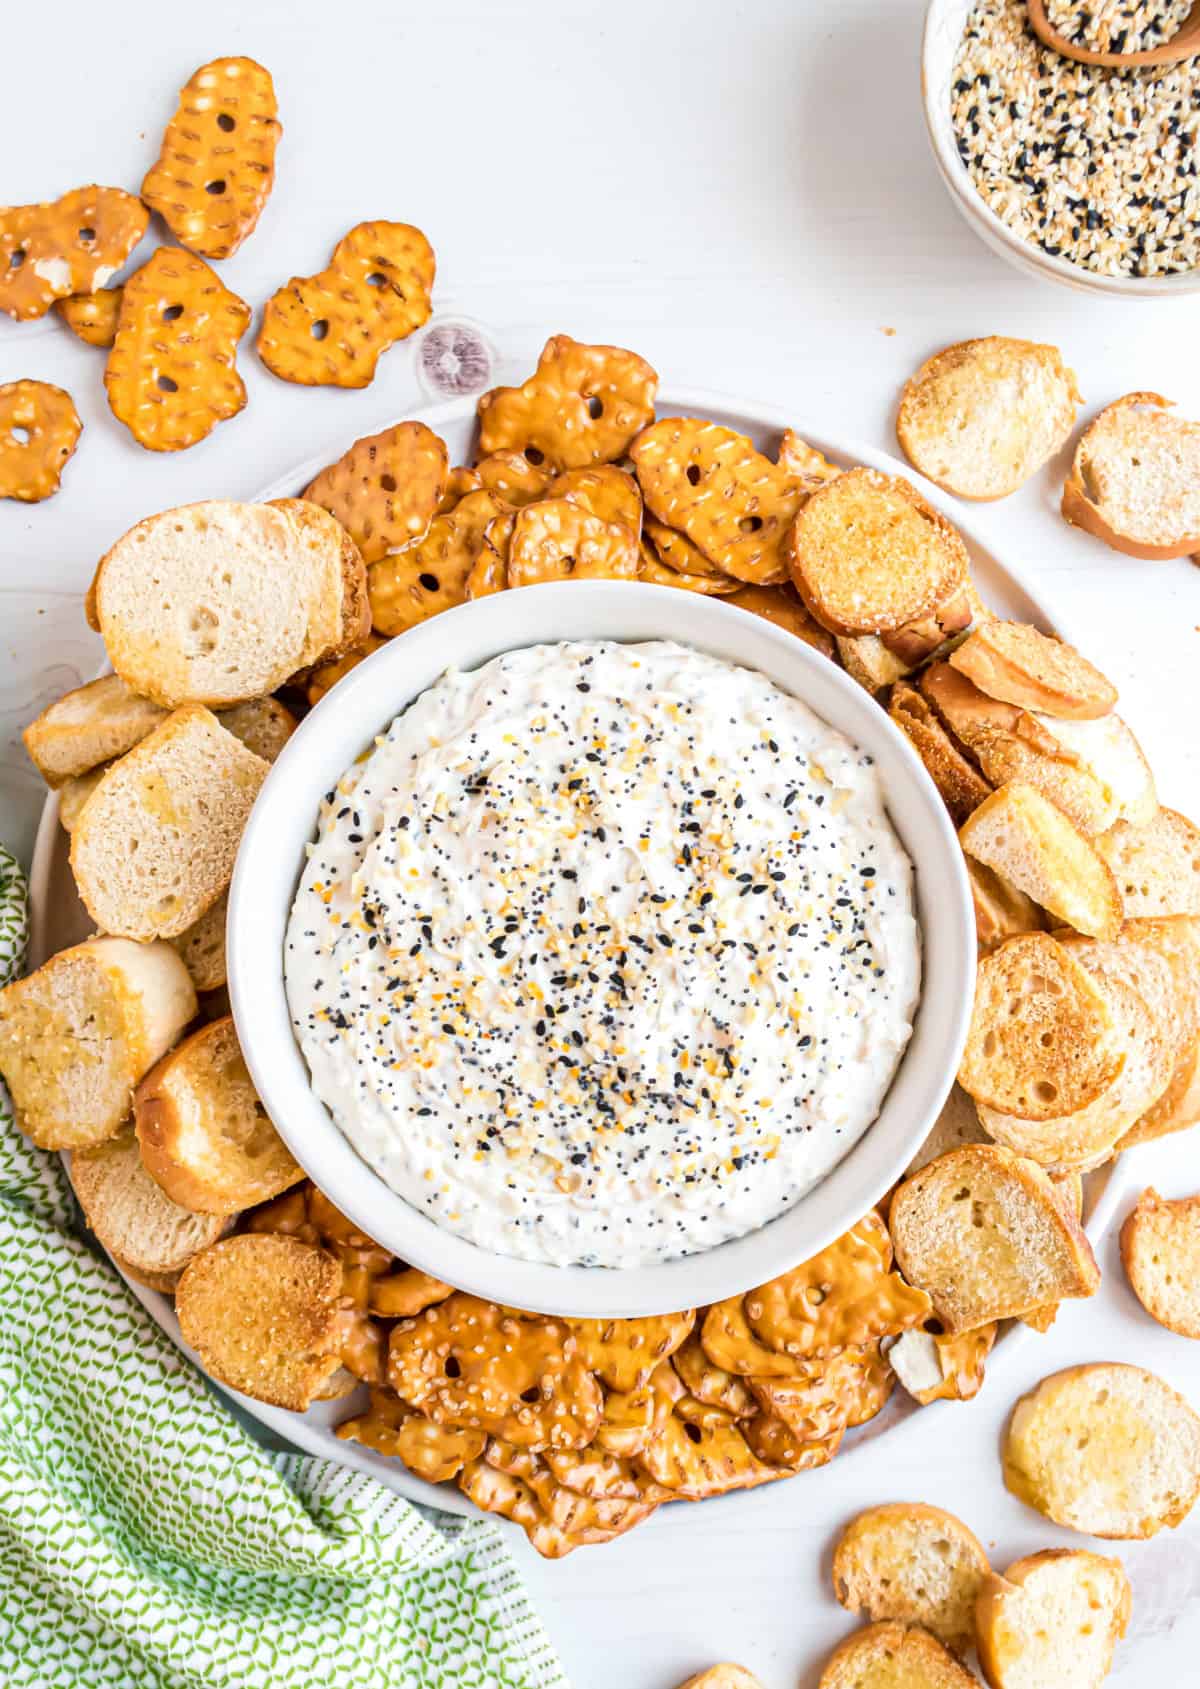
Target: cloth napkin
{"type": "Point", "coordinates": [147, 1541]}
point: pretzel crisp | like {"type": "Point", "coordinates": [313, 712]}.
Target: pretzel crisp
{"type": "Point", "coordinates": [512, 478]}
{"type": "Point", "coordinates": [489, 572]}
{"type": "Point", "coordinates": [217, 163]}
{"type": "Point", "coordinates": [582, 405]}
{"type": "Point", "coordinates": [711, 586]}
{"type": "Point", "coordinates": [92, 316]}
{"type": "Point", "coordinates": [676, 551]}
{"type": "Point", "coordinates": [557, 540]}
{"type": "Point", "coordinates": [780, 1445]}
{"type": "Point", "coordinates": [39, 429]}
{"type": "Point", "coordinates": [710, 484]}
{"type": "Point", "coordinates": [624, 1353]}
{"type": "Point", "coordinates": [805, 462]}
{"type": "Point", "coordinates": [729, 1343]}
{"type": "Point", "coordinates": [386, 489]}
{"type": "Point", "coordinates": [70, 245]}
{"type": "Point", "coordinates": [707, 1382]}
{"type": "Point", "coordinates": [696, 1461]}
{"type": "Point", "coordinates": [605, 491]}
{"type": "Point", "coordinates": [628, 1419]}
{"type": "Point", "coordinates": [436, 1453]}
{"type": "Point", "coordinates": [568, 1507]}
{"type": "Point", "coordinates": [844, 1295]}
{"type": "Point", "coordinates": [513, 1498]}
{"type": "Point", "coordinates": [325, 676]}
{"type": "Point", "coordinates": [405, 1293]}
{"type": "Point", "coordinates": [172, 372]}
{"type": "Point", "coordinates": [468, 1362]}
{"type": "Point", "coordinates": [329, 330]}
{"type": "Point", "coordinates": [411, 585]}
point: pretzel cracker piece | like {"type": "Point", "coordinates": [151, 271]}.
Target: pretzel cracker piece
{"type": "Point", "coordinates": [92, 317]}
{"type": "Point", "coordinates": [558, 540]}
{"type": "Point", "coordinates": [74, 244]}
{"type": "Point", "coordinates": [386, 489]}
{"type": "Point", "coordinates": [582, 405]}
{"type": "Point", "coordinates": [711, 485]}
{"type": "Point", "coordinates": [330, 329]}
{"type": "Point", "coordinates": [436, 1453]}
{"type": "Point", "coordinates": [624, 1353]}
{"type": "Point", "coordinates": [843, 1295]}
{"type": "Point", "coordinates": [409, 586]}
{"type": "Point", "coordinates": [217, 164]}
{"type": "Point", "coordinates": [39, 430]}
{"type": "Point", "coordinates": [172, 373]}
{"type": "Point", "coordinates": [468, 1362]}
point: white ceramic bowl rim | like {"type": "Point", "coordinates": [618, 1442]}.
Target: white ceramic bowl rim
{"type": "Point", "coordinates": [935, 89]}
{"type": "Point", "coordinates": [284, 821]}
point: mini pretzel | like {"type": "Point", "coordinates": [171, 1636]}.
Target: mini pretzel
{"type": "Point", "coordinates": [707, 1382]}
{"type": "Point", "coordinates": [217, 163]}
{"type": "Point", "coordinates": [39, 429]}
{"type": "Point", "coordinates": [695, 1461]}
{"type": "Point", "coordinates": [557, 540]}
{"type": "Point", "coordinates": [676, 551]}
{"type": "Point", "coordinates": [582, 405]}
{"type": "Point", "coordinates": [92, 316]}
{"type": "Point", "coordinates": [780, 1445]}
{"type": "Point", "coordinates": [628, 1420]}
{"type": "Point", "coordinates": [843, 1295]}
{"type": "Point", "coordinates": [710, 484]}
{"type": "Point", "coordinates": [467, 1362]}
{"type": "Point", "coordinates": [605, 491]}
{"type": "Point", "coordinates": [809, 466]}
{"type": "Point", "coordinates": [512, 478]}
{"type": "Point", "coordinates": [436, 1453]}
{"type": "Point", "coordinates": [712, 586]}
{"type": "Point", "coordinates": [325, 676]}
{"type": "Point", "coordinates": [489, 572]}
{"type": "Point", "coordinates": [70, 245]}
{"type": "Point", "coordinates": [459, 483]}
{"type": "Point", "coordinates": [729, 1343]}
{"type": "Point", "coordinates": [499, 1492]}
{"type": "Point", "coordinates": [386, 489]}
{"type": "Point", "coordinates": [594, 1473]}
{"type": "Point", "coordinates": [172, 373]}
{"type": "Point", "coordinates": [406, 1293]}
{"type": "Point", "coordinates": [430, 576]}
{"type": "Point", "coordinates": [329, 330]}
{"type": "Point", "coordinates": [624, 1353]}
{"type": "Point", "coordinates": [591, 1518]}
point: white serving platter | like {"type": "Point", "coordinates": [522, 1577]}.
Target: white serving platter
{"type": "Point", "coordinates": [58, 918]}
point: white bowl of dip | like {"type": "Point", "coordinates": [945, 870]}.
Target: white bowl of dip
{"type": "Point", "coordinates": [272, 863]}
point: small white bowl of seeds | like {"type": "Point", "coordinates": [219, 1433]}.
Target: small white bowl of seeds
{"type": "Point", "coordinates": [1086, 176]}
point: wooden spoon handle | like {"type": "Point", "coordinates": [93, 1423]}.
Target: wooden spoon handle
{"type": "Point", "coordinates": [1182, 45]}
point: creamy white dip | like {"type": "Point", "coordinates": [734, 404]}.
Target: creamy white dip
{"type": "Point", "coordinates": [605, 953]}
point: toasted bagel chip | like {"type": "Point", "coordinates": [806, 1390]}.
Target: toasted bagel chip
{"type": "Point", "coordinates": [1107, 1449]}
{"type": "Point", "coordinates": [960, 784]}
{"type": "Point", "coordinates": [1135, 479]}
{"type": "Point", "coordinates": [1157, 865]}
{"type": "Point", "coordinates": [1042, 1041]}
{"type": "Point", "coordinates": [1016, 663]}
{"type": "Point", "coordinates": [1053, 1618]}
{"type": "Point", "coordinates": [261, 1311]}
{"type": "Point", "coordinates": [1036, 847]}
{"type": "Point", "coordinates": [1160, 1250]}
{"type": "Point", "coordinates": [893, 1656]}
{"type": "Point", "coordinates": [868, 554]}
{"type": "Point", "coordinates": [982, 416]}
{"type": "Point", "coordinates": [915, 1564]}
{"type": "Point", "coordinates": [723, 1676]}
{"type": "Point", "coordinates": [149, 1235]}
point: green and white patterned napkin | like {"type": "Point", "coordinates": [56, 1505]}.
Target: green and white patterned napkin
{"type": "Point", "coordinates": [148, 1542]}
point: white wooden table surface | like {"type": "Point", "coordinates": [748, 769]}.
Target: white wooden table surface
{"type": "Point", "coordinates": [740, 190]}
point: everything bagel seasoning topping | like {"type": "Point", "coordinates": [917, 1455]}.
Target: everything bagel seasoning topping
{"type": "Point", "coordinates": [604, 954]}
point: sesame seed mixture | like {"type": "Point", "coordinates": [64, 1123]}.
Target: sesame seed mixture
{"type": "Point", "coordinates": [1092, 165]}
{"type": "Point", "coordinates": [604, 954]}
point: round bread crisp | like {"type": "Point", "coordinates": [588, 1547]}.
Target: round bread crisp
{"type": "Point", "coordinates": [1053, 1618]}
{"type": "Point", "coordinates": [1041, 1042]}
{"type": "Point", "coordinates": [1160, 1249]}
{"type": "Point", "coordinates": [723, 1676]}
{"type": "Point", "coordinates": [146, 1233]}
{"type": "Point", "coordinates": [869, 555]}
{"type": "Point", "coordinates": [893, 1656]}
{"type": "Point", "coordinates": [1107, 1449]}
{"type": "Point", "coordinates": [261, 1311]}
{"type": "Point", "coordinates": [913, 1563]}
{"type": "Point", "coordinates": [981, 417]}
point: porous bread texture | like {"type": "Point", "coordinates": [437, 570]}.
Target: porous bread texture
{"type": "Point", "coordinates": [983, 1232]}
{"type": "Point", "coordinates": [1021, 835]}
{"type": "Point", "coordinates": [204, 1135]}
{"type": "Point", "coordinates": [1135, 479]}
{"type": "Point", "coordinates": [132, 1216]}
{"type": "Point", "coordinates": [89, 725]}
{"type": "Point", "coordinates": [960, 785]}
{"type": "Point", "coordinates": [1053, 1618]}
{"type": "Point", "coordinates": [77, 1035]}
{"type": "Point", "coordinates": [1001, 911]}
{"type": "Point", "coordinates": [982, 416]}
{"type": "Point", "coordinates": [202, 946]}
{"type": "Point", "coordinates": [723, 1676]}
{"type": "Point", "coordinates": [219, 602]}
{"type": "Point", "coordinates": [917, 1564]}
{"type": "Point", "coordinates": [893, 1656]}
{"type": "Point", "coordinates": [154, 845]}
{"type": "Point", "coordinates": [1160, 1250]}
{"type": "Point", "coordinates": [1106, 1449]}
{"type": "Point", "coordinates": [956, 1125]}
{"type": "Point", "coordinates": [1157, 865]}
{"type": "Point", "coordinates": [261, 1311]}
{"type": "Point", "coordinates": [1041, 1041]}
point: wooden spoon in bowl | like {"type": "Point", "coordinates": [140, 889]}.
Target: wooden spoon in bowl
{"type": "Point", "coordinates": [1182, 45]}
